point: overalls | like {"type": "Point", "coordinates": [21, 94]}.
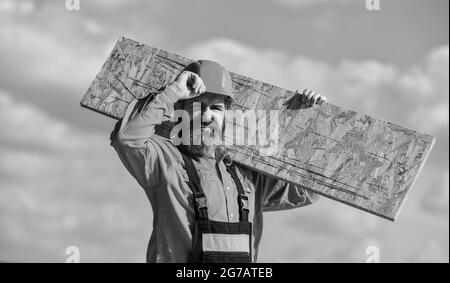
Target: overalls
{"type": "Point", "coordinates": [214, 241]}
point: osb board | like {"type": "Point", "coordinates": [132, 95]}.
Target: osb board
{"type": "Point", "coordinates": [350, 157]}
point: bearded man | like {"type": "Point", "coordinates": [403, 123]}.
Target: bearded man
{"type": "Point", "coordinates": [206, 208]}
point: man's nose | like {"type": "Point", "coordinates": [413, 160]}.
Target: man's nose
{"type": "Point", "coordinates": [207, 116]}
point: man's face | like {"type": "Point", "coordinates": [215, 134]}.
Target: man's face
{"type": "Point", "coordinates": [211, 114]}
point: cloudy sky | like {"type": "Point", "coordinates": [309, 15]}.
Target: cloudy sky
{"type": "Point", "coordinates": [62, 185]}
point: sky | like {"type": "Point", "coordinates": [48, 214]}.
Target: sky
{"type": "Point", "coordinates": [61, 183]}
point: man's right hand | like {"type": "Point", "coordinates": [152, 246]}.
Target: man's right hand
{"type": "Point", "coordinates": [188, 85]}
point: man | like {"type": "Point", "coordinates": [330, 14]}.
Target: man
{"type": "Point", "coordinates": [206, 208]}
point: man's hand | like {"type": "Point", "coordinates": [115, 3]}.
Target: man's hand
{"type": "Point", "coordinates": [310, 98]}
{"type": "Point", "coordinates": [306, 99]}
{"type": "Point", "coordinates": [188, 85]}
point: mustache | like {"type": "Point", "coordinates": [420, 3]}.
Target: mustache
{"type": "Point", "coordinates": [207, 125]}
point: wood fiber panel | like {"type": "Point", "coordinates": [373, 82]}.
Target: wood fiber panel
{"type": "Point", "coordinates": [350, 157]}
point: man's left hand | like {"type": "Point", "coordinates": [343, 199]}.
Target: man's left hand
{"type": "Point", "coordinates": [307, 98]}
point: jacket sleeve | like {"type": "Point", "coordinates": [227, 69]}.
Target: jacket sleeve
{"type": "Point", "coordinates": [280, 195]}
{"type": "Point", "coordinates": [139, 148]}
{"type": "Point", "coordinates": [274, 194]}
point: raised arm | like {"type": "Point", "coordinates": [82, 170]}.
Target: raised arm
{"type": "Point", "coordinates": [139, 148]}
{"type": "Point", "coordinates": [134, 140]}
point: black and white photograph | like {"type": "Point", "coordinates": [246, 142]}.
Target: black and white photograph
{"type": "Point", "coordinates": [225, 132]}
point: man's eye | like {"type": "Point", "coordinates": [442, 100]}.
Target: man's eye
{"type": "Point", "coordinates": [217, 107]}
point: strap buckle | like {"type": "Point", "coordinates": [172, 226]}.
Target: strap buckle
{"type": "Point", "coordinates": [244, 202]}
{"type": "Point", "coordinates": [200, 199]}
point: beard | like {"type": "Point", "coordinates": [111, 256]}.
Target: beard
{"type": "Point", "coordinates": [209, 138]}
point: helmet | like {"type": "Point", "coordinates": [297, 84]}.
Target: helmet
{"type": "Point", "coordinates": [215, 77]}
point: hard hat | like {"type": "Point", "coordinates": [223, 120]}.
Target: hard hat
{"type": "Point", "coordinates": [215, 77]}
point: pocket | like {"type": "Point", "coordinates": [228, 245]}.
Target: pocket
{"type": "Point", "coordinates": [226, 257]}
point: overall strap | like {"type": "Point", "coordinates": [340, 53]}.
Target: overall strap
{"type": "Point", "coordinates": [201, 211]}
{"type": "Point", "coordinates": [242, 198]}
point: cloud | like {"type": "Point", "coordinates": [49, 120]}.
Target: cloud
{"type": "Point", "coordinates": [92, 27]}
{"type": "Point", "coordinates": [437, 198]}
{"type": "Point", "coordinates": [300, 3]}
{"type": "Point", "coordinates": [67, 51]}
{"type": "Point", "coordinates": [431, 118]}
{"type": "Point", "coordinates": [75, 192]}
{"type": "Point", "coordinates": [114, 4]}
{"type": "Point", "coordinates": [44, 59]}
{"type": "Point", "coordinates": [427, 85]}
{"type": "Point", "coordinates": [16, 6]}
{"type": "Point", "coordinates": [23, 123]}
{"type": "Point", "coordinates": [330, 231]}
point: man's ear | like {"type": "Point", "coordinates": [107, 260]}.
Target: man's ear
{"type": "Point", "coordinates": [228, 103]}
